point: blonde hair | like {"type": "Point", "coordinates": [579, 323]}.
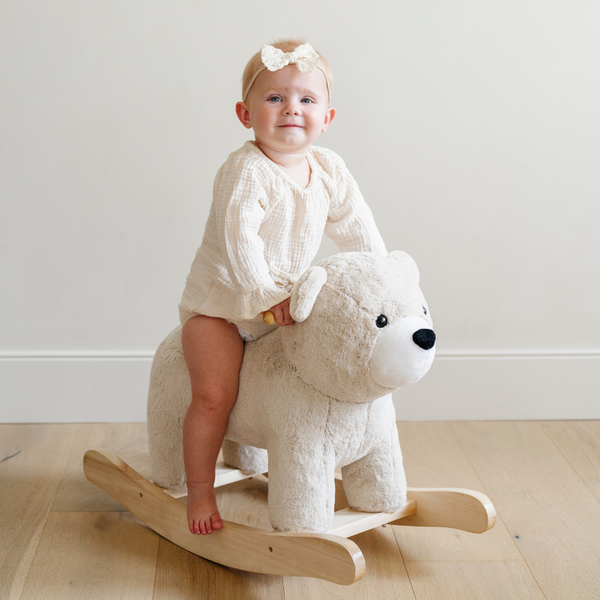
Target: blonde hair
{"type": "Point", "coordinates": [285, 44]}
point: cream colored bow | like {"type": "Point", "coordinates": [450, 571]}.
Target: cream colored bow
{"type": "Point", "coordinates": [304, 57]}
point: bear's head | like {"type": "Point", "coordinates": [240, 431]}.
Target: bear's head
{"type": "Point", "coordinates": [363, 328]}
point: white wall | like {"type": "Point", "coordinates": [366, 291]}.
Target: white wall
{"type": "Point", "coordinates": [471, 127]}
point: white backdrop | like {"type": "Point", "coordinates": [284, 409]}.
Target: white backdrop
{"type": "Point", "coordinates": [471, 127]}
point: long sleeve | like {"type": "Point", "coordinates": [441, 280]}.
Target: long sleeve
{"type": "Point", "coordinates": [350, 222]}
{"type": "Point", "coordinates": [239, 209]}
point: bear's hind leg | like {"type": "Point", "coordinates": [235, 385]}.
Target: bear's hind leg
{"type": "Point", "coordinates": [247, 459]}
{"type": "Point", "coordinates": [169, 396]}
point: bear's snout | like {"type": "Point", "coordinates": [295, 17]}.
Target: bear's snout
{"type": "Point", "coordinates": [424, 338]}
{"type": "Point", "coordinates": [403, 353]}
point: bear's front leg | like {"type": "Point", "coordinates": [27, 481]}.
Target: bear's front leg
{"type": "Point", "coordinates": [376, 482]}
{"type": "Point", "coordinates": [301, 487]}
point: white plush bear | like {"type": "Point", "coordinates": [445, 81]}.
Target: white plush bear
{"type": "Point", "coordinates": [314, 395]}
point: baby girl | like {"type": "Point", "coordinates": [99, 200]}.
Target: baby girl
{"type": "Point", "coordinates": [272, 201]}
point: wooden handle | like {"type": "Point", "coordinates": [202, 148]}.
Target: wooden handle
{"type": "Point", "coordinates": [269, 318]}
{"type": "Point", "coordinates": [447, 507]}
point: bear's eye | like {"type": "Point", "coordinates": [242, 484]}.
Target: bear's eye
{"type": "Point", "coordinates": [424, 310]}
{"type": "Point", "coordinates": [381, 321]}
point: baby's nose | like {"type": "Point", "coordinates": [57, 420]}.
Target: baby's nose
{"type": "Point", "coordinates": [292, 108]}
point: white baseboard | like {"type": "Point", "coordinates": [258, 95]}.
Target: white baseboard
{"type": "Point", "coordinates": [518, 385]}
{"type": "Point", "coordinates": [460, 386]}
{"type": "Point", "coordinates": [73, 389]}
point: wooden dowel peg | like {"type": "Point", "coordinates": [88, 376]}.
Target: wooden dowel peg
{"type": "Point", "coordinates": [269, 318]}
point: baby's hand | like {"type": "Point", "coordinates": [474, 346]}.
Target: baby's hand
{"type": "Point", "coordinates": [281, 312]}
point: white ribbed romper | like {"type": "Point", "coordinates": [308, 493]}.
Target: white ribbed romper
{"type": "Point", "coordinates": [264, 230]}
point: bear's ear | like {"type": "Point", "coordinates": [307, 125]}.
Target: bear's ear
{"type": "Point", "coordinates": [407, 261]}
{"type": "Point", "coordinates": [305, 292]}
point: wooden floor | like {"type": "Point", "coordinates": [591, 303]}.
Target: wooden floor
{"type": "Point", "coordinates": [61, 538]}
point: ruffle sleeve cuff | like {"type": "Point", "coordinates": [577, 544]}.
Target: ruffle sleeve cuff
{"type": "Point", "coordinates": [250, 304]}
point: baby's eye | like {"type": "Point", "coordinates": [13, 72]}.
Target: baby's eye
{"type": "Point", "coordinates": [275, 99]}
{"type": "Point", "coordinates": [306, 101]}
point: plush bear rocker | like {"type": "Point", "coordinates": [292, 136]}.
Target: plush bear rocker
{"type": "Point", "coordinates": [315, 395]}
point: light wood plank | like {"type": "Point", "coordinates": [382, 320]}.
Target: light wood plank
{"type": "Point", "coordinates": [246, 502]}
{"type": "Point", "coordinates": [385, 577]}
{"type": "Point", "coordinates": [225, 474]}
{"type": "Point", "coordinates": [181, 575]}
{"type": "Point", "coordinates": [103, 556]}
{"type": "Point", "coordinates": [348, 522]}
{"type": "Point", "coordinates": [33, 458]}
{"type": "Point", "coordinates": [128, 440]}
{"type": "Point", "coordinates": [579, 441]}
{"type": "Point", "coordinates": [551, 514]}
{"type": "Point", "coordinates": [434, 458]}
{"type": "Point", "coordinates": [480, 580]}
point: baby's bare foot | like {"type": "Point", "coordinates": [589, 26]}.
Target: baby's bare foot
{"type": "Point", "coordinates": [202, 512]}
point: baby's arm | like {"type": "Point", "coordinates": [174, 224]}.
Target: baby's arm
{"type": "Point", "coordinates": [239, 200]}
{"type": "Point", "coordinates": [350, 222]}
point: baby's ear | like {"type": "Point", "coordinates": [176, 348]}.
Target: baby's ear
{"type": "Point", "coordinates": [408, 261]}
{"type": "Point", "coordinates": [305, 292]}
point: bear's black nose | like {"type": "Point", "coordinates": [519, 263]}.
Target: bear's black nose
{"type": "Point", "coordinates": [424, 338]}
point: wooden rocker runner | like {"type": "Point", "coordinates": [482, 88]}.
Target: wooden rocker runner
{"type": "Point", "coordinates": [330, 556]}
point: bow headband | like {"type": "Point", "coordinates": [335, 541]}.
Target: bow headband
{"type": "Point", "coordinates": [304, 57]}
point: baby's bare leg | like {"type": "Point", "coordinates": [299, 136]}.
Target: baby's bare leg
{"type": "Point", "coordinates": [213, 351]}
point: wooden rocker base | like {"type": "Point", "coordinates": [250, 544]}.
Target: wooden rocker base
{"type": "Point", "coordinates": [330, 556]}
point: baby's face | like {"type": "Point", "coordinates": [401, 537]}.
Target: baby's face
{"type": "Point", "coordinates": [287, 109]}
